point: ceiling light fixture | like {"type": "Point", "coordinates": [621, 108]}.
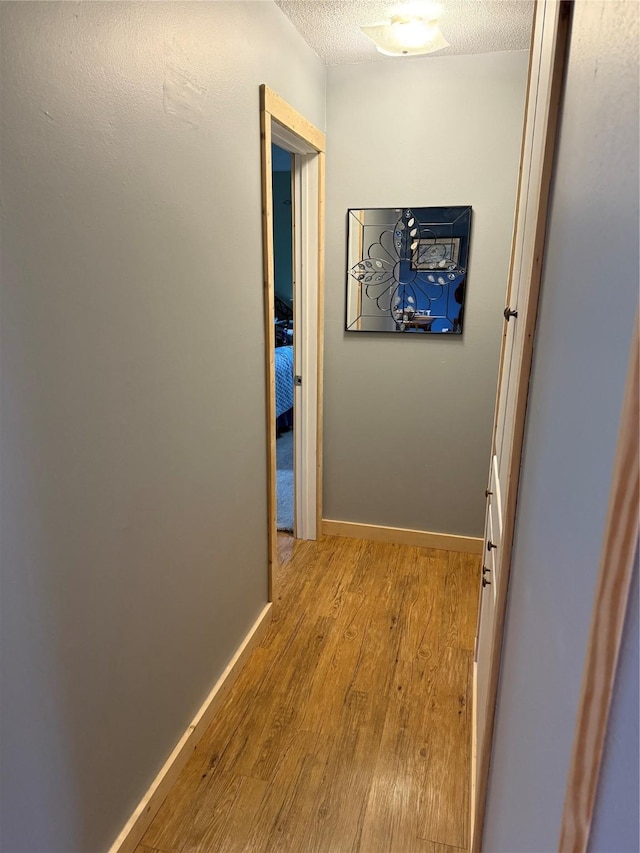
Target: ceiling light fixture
{"type": "Point", "coordinates": [406, 35]}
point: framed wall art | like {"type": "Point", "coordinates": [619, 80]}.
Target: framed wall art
{"type": "Point", "coordinates": [407, 269]}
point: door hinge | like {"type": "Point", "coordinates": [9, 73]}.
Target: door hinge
{"type": "Point", "coordinates": [297, 380]}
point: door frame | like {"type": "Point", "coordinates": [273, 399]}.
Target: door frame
{"type": "Point", "coordinates": [281, 124]}
{"type": "Point", "coordinates": [305, 258]}
{"type": "Point", "coordinates": [549, 49]}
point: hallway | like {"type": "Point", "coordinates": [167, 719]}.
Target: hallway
{"type": "Point", "coordinates": [349, 727]}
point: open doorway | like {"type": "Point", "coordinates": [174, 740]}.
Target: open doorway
{"type": "Point", "coordinates": [283, 311]}
{"type": "Point", "coordinates": [304, 146]}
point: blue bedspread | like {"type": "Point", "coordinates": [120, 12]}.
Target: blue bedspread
{"type": "Point", "coordinates": [284, 379]}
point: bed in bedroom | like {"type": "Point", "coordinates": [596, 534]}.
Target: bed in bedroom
{"type": "Point", "coordinates": [284, 388]}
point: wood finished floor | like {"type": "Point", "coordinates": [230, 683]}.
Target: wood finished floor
{"type": "Point", "coordinates": [349, 728]}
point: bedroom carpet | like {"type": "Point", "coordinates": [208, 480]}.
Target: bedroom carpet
{"type": "Point", "coordinates": [285, 485]}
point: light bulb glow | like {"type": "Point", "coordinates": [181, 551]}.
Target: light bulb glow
{"type": "Point", "coordinates": [414, 33]}
{"type": "Point", "coordinates": [406, 36]}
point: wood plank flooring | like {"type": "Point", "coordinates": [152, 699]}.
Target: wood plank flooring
{"type": "Point", "coordinates": [349, 729]}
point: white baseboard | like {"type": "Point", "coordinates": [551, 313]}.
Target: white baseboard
{"type": "Point", "coordinates": [403, 536]}
{"type": "Point", "coordinates": [149, 805]}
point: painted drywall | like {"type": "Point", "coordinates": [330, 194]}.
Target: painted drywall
{"type": "Point", "coordinates": [134, 537]}
{"type": "Point", "coordinates": [283, 235]}
{"type": "Point", "coordinates": [280, 159]}
{"type": "Point", "coordinates": [407, 419]}
{"type": "Point", "coordinates": [588, 302]}
{"type": "Point", "coordinates": [615, 818]}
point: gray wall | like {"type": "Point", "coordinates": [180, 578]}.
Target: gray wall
{"type": "Point", "coordinates": [408, 420]}
{"type": "Point", "coordinates": [589, 298]}
{"type": "Point", "coordinates": [134, 540]}
{"type": "Point", "coordinates": [283, 236]}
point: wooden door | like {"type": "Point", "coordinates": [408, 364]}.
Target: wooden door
{"type": "Point", "coordinates": [550, 30]}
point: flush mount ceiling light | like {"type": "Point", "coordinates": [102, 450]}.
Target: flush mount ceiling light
{"type": "Point", "coordinates": [406, 35]}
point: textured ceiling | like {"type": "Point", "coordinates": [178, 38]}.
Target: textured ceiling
{"type": "Point", "coordinates": [332, 28]}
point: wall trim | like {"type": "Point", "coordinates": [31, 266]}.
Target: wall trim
{"type": "Point", "coordinates": [403, 536]}
{"type": "Point", "coordinates": [290, 118]}
{"type": "Point", "coordinates": [619, 545]}
{"type": "Point", "coordinates": [148, 807]}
